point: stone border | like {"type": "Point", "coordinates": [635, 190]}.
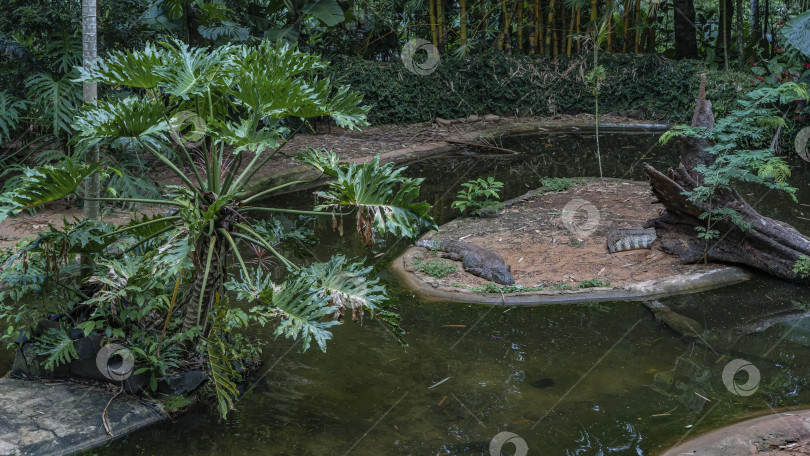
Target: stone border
{"type": "Point", "coordinates": [763, 434]}
{"type": "Point", "coordinates": [435, 289]}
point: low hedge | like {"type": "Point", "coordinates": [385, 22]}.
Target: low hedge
{"type": "Point", "coordinates": [643, 86]}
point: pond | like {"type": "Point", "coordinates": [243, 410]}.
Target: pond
{"type": "Point", "coordinates": [590, 379]}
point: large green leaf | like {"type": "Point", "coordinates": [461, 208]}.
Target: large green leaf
{"type": "Point", "coordinates": [326, 11]}
{"type": "Point", "coordinates": [194, 71]}
{"type": "Point", "coordinates": [137, 69]}
{"type": "Point", "coordinates": [57, 347]}
{"type": "Point", "coordinates": [300, 308]}
{"type": "Point", "coordinates": [45, 184]}
{"type": "Point", "coordinates": [55, 99]}
{"type": "Point", "coordinates": [385, 201]}
{"type": "Point", "coordinates": [131, 119]}
{"type": "Point", "coordinates": [797, 32]}
{"type": "Point", "coordinates": [10, 109]}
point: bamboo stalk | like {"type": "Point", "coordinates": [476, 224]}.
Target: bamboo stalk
{"type": "Point", "coordinates": [636, 24]}
{"type": "Point", "coordinates": [433, 32]}
{"type": "Point", "coordinates": [519, 24]}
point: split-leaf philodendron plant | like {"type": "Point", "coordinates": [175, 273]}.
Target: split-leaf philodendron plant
{"type": "Point", "coordinates": [158, 284]}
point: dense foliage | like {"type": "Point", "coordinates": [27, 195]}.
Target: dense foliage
{"type": "Point", "coordinates": [646, 87]}
{"type": "Point", "coordinates": [158, 284]}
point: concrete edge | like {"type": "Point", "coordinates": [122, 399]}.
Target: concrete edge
{"type": "Point", "coordinates": [766, 427]}
{"type": "Point", "coordinates": [437, 290]}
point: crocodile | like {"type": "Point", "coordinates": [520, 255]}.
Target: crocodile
{"type": "Point", "coordinates": [681, 324]}
{"type": "Point", "coordinates": [476, 260]}
{"type": "Point", "coordinates": [630, 239]}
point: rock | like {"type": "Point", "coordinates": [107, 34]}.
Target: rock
{"type": "Point", "coordinates": [85, 365]}
{"type": "Point", "coordinates": [491, 118]}
{"type": "Point", "coordinates": [473, 118]}
{"type": "Point", "coordinates": [26, 363]}
{"type": "Point", "coordinates": [184, 383]}
{"type": "Point", "coordinates": [443, 122]}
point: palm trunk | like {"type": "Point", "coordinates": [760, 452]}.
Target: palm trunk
{"type": "Point", "coordinates": [538, 17]}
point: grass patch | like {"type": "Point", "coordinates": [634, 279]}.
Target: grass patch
{"type": "Point", "coordinates": [438, 269]}
{"type": "Point", "coordinates": [175, 403]}
{"type": "Point", "coordinates": [557, 184]}
{"type": "Point", "coordinates": [593, 283]}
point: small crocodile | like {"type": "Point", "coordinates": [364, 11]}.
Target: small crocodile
{"type": "Point", "coordinates": [681, 324]}
{"type": "Point", "coordinates": [476, 260]}
{"type": "Point", "coordinates": [630, 239]}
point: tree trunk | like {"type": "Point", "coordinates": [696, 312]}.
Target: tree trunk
{"type": "Point", "coordinates": [770, 245]}
{"type": "Point", "coordinates": [740, 32]}
{"type": "Point", "coordinates": [726, 9]}
{"type": "Point", "coordinates": [532, 28]}
{"type": "Point", "coordinates": [90, 92]}
{"type": "Point", "coordinates": [92, 185]}
{"type": "Point", "coordinates": [462, 17]}
{"type": "Point", "coordinates": [685, 31]}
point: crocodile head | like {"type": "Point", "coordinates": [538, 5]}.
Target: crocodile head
{"type": "Point", "coordinates": [501, 274]}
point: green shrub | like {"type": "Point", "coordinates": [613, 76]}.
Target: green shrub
{"type": "Point", "coordinates": [652, 86]}
{"type": "Point", "coordinates": [480, 196]}
{"type": "Point", "coordinates": [438, 269]}
{"type": "Point", "coordinates": [594, 283]}
{"type": "Point", "coordinates": [557, 184]}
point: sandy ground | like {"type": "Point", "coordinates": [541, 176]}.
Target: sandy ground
{"type": "Point", "coordinates": [534, 238]}
{"type": "Point", "coordinates": [349, 145]}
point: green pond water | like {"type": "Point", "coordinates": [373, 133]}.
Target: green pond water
{"type": "Point", "coordinates": [591, 379]}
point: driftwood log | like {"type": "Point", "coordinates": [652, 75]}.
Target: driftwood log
{"type": "Point", "coordinates": [770, 245]}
